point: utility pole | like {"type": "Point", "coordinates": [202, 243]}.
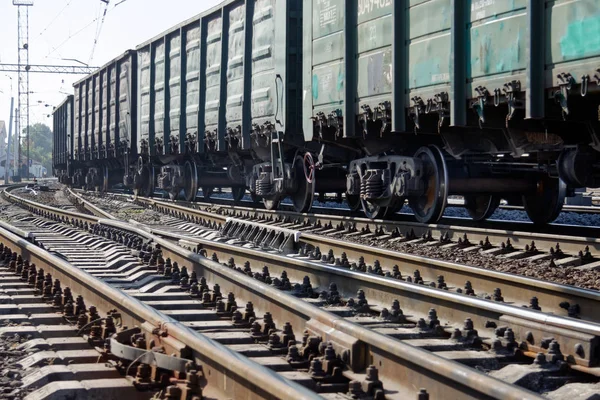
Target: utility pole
{"type": "Point", "coordinates": [16, 148]}
{"type": "Point", "coordinates": [23, 71]}
{"type": "Point", "coordinates": [10, 126]}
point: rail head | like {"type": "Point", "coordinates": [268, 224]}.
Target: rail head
{"type": "Point", "coordinates": [38, 207]}
{"type": "Point", "coordinates": [89, 206]}
{"type": "Point", "coordinates": [221, 365]}
{"type": "Point", "coordinates": [389, 354]}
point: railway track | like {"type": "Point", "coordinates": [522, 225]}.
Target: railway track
{"type": "Point", "coordinates": [373, 289]}
{"type": "Point", "coordinates": [507, 288]}
{"type": "Point", "coordinates": [401, 329]}
{"type": "Point", "coordinates": [71, 348]}
{"type": "Point", "coordinates": [317, 321]}
{"type": "Point", "coordinates": [485, 283]}
{"type": "Point", "coordinates": [327, 323]}
{"type": "Point", "coordinates": [224, 198]}
{"type": "Point", "coordinates": [570, 239]}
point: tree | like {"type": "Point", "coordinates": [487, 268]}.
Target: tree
{"type": "Point", "coordinates": [40, 145]}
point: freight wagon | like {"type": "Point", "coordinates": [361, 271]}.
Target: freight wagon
{"type": "Point", "coordinates": [62, 126]}
{"type": "Point", "coordinates": [381, 102]}
{"type": "Point", "coordinates": [104, 123]}
{"type": "Point", "coordinates": [212, 92]}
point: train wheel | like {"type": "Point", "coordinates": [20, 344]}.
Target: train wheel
{"type": "Point", "coordinates": [255, 198]}
{"type": "Point", "coordinates": [105, 184]}
{"type": "Point", "coordinates": [238, 193]}
{"type": "Point", "coordinates": [544, 206]}
{"type": "Point", "coordinates": [207, 192]}
{"type": "Point", "coordinates": [353, 201]}
{"type": "Point", "coordinates": [429, 207]}
{"type": "Point", "coordinates": [271, 204]}
{"type": "Point", "coordinates": [145, 185]}
{"type": "Point", "coordinates": [151, 181]}
{"type": "Point", "coordinates": [304, 173]}
{"type": "Point", "coordinates": [395, 206]}
{"type": "Point", "coordinates": [481, 207]}
{"type": "Point", "coordinates": [374, 211]}
{"type": "Point", "coordinates": [190, 176]}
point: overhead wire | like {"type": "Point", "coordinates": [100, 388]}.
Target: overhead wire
{"type": "Point", "coordinates": [41, 34]}
{"type": "Point", "coordinates": [99, 30]}
{"type": "Point", "coordinates": [82, 29]}
{"type": "Point", "coordinates": [68, 3]}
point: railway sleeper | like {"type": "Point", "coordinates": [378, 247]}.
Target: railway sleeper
{"type": "Point", "coordinates": [509, 250]}
{"type": "Point", "coordinates": [177, 384]}
{"type": "Point", "coordinates": [55, 353]}
{"type": "Point", "coordinates": [429, 323]}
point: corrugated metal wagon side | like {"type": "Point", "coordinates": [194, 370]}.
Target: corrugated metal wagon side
{"type": "Point", "coordinates": [489, 82]}
{"type": "Point", "coordinates": [212, 89]}
{"type": "Point", "coordinates": [105, 106]}
{"type": "Point", "coordinates": [251, 78]}
{"type": "Point", "coordinates": [443, 53]}
{"type": "Point", "coordinates": [218, 72]}
{"type": "Point", "coordinates": [62, 128]}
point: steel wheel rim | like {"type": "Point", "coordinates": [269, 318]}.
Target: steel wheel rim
{"type": "Point", "coordinates": [105, 180]}
{"type": "Point", "coordinates": [545, 205]}
{"type": "Point", "coordinates": [481, 207]}
{"type": "Point", "coordinates": [238, 193]}
{"type": "Point", "coordinates": [304, 196]}
{"type": "Point", "coordinates": [353, 201]}
{"type": "Point", "coordinates": [272, 204]}
{"type": "Point", "coordinates": [436, 195]}
{"type": "Point", "coordinates": [190, 177]}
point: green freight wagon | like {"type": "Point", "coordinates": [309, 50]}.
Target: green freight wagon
{"type": "Point", "coordinates": [508, 90]}
{"type": "Point", "coordinates": [104, 123]}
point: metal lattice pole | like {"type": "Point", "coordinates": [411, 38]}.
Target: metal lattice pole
{"type": "Point", "coordinates": [27, 80]}
{"type": "Point", "coordinates": [23, 71]}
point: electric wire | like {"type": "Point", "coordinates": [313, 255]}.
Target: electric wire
{"type": "Point", "coordinates": [82, 29]}
{"type": "Point", "coordinates": [68, 3]}
{"type": "Point", "coordinates": [99, 30]}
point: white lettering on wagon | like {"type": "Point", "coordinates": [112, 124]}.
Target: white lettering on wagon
{"type": "Point", "coordinates": [478, 7]}
{"type": "Point", "coordinates": [367, 6]}
{"type": "Point", "coordinates": [328, 13]}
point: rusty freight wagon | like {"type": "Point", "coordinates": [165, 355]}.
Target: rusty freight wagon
{"type": "Point", "coordinates": [217, 95]}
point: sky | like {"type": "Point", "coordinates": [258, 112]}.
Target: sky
{"type": "Point", "coordinates": [67, 29]}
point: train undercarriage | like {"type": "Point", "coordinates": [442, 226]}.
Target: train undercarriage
{"type": "Point", "coordinates": [424, 175]}
{"type": "Point", "coordinates": [378, 185]}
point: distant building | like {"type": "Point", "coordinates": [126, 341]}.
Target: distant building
{"type": "Point", "coordinates": [36, 167]}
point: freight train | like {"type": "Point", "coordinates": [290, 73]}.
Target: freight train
{"type": "Point", "coordinates": [378, 101]}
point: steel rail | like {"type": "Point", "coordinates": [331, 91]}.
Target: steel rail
{"type": "Point", "coordinates": [97, 211]}
{"type": "Point", "coordinates": [226, 372]}
{"type": "Point", "coordinates": [566, 207]}
{"type": "Point", "coordinates": [569, 243]}
{"type": "Point", "coordinates": [530, 326]}
{"type": "Point", "coordinates": [395, 360]}
{"type": "Point", "coordinates": [401, 366]}
{"type": "Point", "coordinates": [516, 289]}
{"type": "Point", "coordinates": [571, 239]}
